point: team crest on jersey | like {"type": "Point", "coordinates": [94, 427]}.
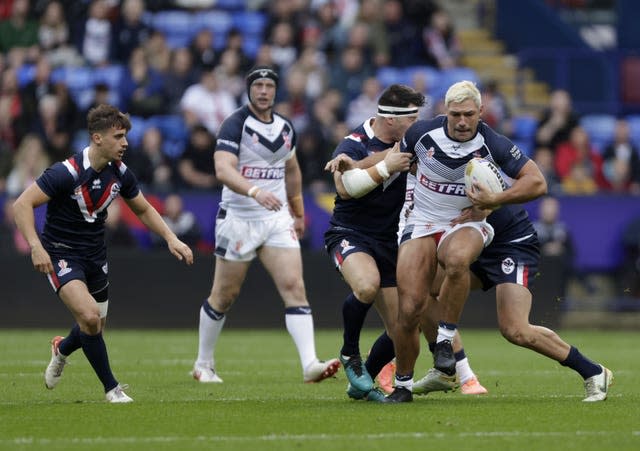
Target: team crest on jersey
{"type": "Point", "coordinates": [64, 268]}
{"type": "Point", "coordinates": [287, 139]}
{"type": "Point", "coordinates": [508, 265]}
{"type": "Point", "coordinates": [238, 246]}
{"type": "Point", "coordinates": [96, 184]}
{"type": "Point", "coordinates": [346, 247]}
{"type": "Point", "coordinates": [430, 153]}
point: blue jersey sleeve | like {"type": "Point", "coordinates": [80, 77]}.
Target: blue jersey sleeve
{"type": "Point", "coordinates": [129, 188]}
{"type": "Point", "coordinates": [504, 152]}
{"type": "Point", "coordinates": [56, 180]}
{"type": "Point", "coordinates": [230, 133]}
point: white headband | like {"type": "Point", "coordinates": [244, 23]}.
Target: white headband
{"type": "Point", "coordinates": [395, 111]}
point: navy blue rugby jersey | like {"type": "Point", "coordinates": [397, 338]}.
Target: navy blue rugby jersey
{"type": "Point", "coordinates": [377, 212]}
{"type": "Point", "coordinates": [79, 200]}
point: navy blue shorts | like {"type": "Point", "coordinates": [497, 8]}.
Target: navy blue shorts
{"type": "Point", "coordinates": [513, 262]}
{"type": "Point", "coordinates": [92, 269]}
{"type": "Point", "coordinates": [341, 243]}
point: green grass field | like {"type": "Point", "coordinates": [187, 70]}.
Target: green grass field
{"type": "Point", "coordinates": [533, 403]}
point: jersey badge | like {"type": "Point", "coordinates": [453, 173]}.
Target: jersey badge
{"type": "Point", "coordinates": [508, 265]}
{"type": "Point", "coordinates": [64, 268]}
{"type": "Point", "coordinates": [346, 247]}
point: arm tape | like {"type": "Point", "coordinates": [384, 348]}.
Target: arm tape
{"type": "Point", "coordinates": [357, 182]}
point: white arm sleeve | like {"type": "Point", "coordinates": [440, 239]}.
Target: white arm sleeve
{"type": "Point", "coordinates": [357, 182]}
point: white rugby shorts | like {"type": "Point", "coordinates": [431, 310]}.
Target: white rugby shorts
{"type": "Point", "coordinates": [417, 229]}
{"type": "Point", "coordinates": [238, 239]}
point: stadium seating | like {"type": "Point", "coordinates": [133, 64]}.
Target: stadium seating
{"type": "Point", "coordinates": [634, 127]}
{"type": "Point", "coordinates": [600, 128]}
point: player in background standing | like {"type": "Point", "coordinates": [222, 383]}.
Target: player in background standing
{"type": "Point", "coordinates": [72, 251]}
{"type": "Point", "coordinates": [261, 214]}
{"type": "Point", "coordinates": [369, 174]}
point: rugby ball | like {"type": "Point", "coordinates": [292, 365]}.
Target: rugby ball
{"type": "Point", "coordinates": [483, 172]}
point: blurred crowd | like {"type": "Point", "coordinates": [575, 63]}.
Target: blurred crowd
{"type": "Point", "coordinates": [178, 89]}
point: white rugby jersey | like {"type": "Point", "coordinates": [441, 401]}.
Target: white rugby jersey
{"type": "Point", "coordinates": [262, 150]}
{"type": "Point", "coordinates": [439, 193]}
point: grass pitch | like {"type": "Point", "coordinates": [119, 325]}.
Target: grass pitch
{"type": "Point", "coordinates": [533, 402]}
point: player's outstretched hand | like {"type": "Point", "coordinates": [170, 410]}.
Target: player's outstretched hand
{"type": "Point", "coordinates": [181, 251]}
{"type": "Point", "coordinates": [341, 163]}
{"type": "Point", "coordinates": [397, 161]}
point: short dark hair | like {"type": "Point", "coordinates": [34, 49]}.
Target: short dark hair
{"type": "Point", "coordinates": [104, 117]}
{"type": "Point", "coordinates": [401, 96]}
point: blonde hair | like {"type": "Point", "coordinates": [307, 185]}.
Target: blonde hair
{"type": "Point", "coordinates": [461, 91]}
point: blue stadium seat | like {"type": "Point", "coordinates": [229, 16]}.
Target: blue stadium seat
{"type": "Point", "coordinates": [600, 128]}
{"type": "Point", "coordinates": [524, 127]}
{"type": "Point", "coordinates": [451, 76]}
{"type": "Point", "coordinates": [219, 22]}
{"type": "Point", "coordinates": [138, 127]}
{"type": "Point", "coordinates": [231, 4]}
{"type": "Point", "coordinates": [178, 27]}
{"type": "Point", "coordinates": [430, 74]}
{"type": "Point", "coordinates": [174, 133]}
{"type": "Point", "coordinates": [26, 74]}
{"type": "Point", "coordinates": [390, 75]}
{"type": "Point", "coordinates": [634, 128]}
{"type": "Point", "coordinates": [250, 22]}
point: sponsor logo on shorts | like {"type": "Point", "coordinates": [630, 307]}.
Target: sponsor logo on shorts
{"type": "Point", "coordinates": [508, 265]}
{"type": "Point", "coordinates": [64, 268]}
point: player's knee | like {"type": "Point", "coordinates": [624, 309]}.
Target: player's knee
{"type": "Point", "coordinates": [517, 335]}
{"type": "Point", "coordinates": [90, 322]}
{"type": "Point", "coordinates": [366, 291]}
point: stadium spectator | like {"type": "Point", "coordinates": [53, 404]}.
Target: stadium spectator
{"type": "Point", "coordinates": [179, 77]}
{"type": "Point", "coordinates": [96, 35]}
{"type": "Point", "coordinates": [142, 87]}
{"type": "Point", "coordinates": [365, 105]}
{"type": "Point", "coordinates": [557, 121]}
{"type": "Point", "coordinates": [130, 31]}
{"type": "Point", "coordinates": [29, 162]}
{"type": "Point", "coordinates": [349, 73]}
{"type": "Point", "coordinates": [371, 19]}
{"type": "Point", "coordinates": [230, 74]}
{"type": "Point", "coordinates": [313, 63]}
{"type": "Point", "coordinates": [495, 112]}
{"type": "Point", "coordinates": [206, 103]}
{"type": "Point", "coordinates": [555, 238]}
{"type": "Point", "coordinates": [54, 37]}
{"type": "Point", "coordinates": [73, 239]}
{"type": "Point", "coordinates": [401, 35]}
{"type": "Point", "coordinates": [203, 50]}
{"type": "Point", "coordinates": [441, 46]}
{"type": "Point", "coordinates": [150, 164]}
{"type": "Point", "coordinates": [235, 42]}
{"type": "Point", "coordinates": [295, 94]}
{"type": "Point", "coordinates": [37, 88]}
{"type": "Point", "coordinates": [261, 215]}
{"type": "Point", "coordinates": [195, 165]}
{"type": "Point", "coordinates": [13, 120]}
{"type": "Point", "coordinates": [19, 35]}
{"type": "Point", "coordinates": [284, 51]}
{"type": "Point", "coordinates": [543, 156]}
{"type": "Point", "coordinates": [51, 128]}
{"type": "Point", "coordinates": [621, 161]}
{"type": "Point", "coordinates": [578, 154]}
{"type": "Point", "coordinates": [182, 222]}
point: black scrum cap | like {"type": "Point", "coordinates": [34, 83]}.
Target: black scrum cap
{"type": "Point", "coordinates": [260, 72]}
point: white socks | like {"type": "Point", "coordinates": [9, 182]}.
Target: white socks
{"type": "Point", "coordinates": [300, 327]}
{"type": "Point", "coordinates": [208, 333]}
